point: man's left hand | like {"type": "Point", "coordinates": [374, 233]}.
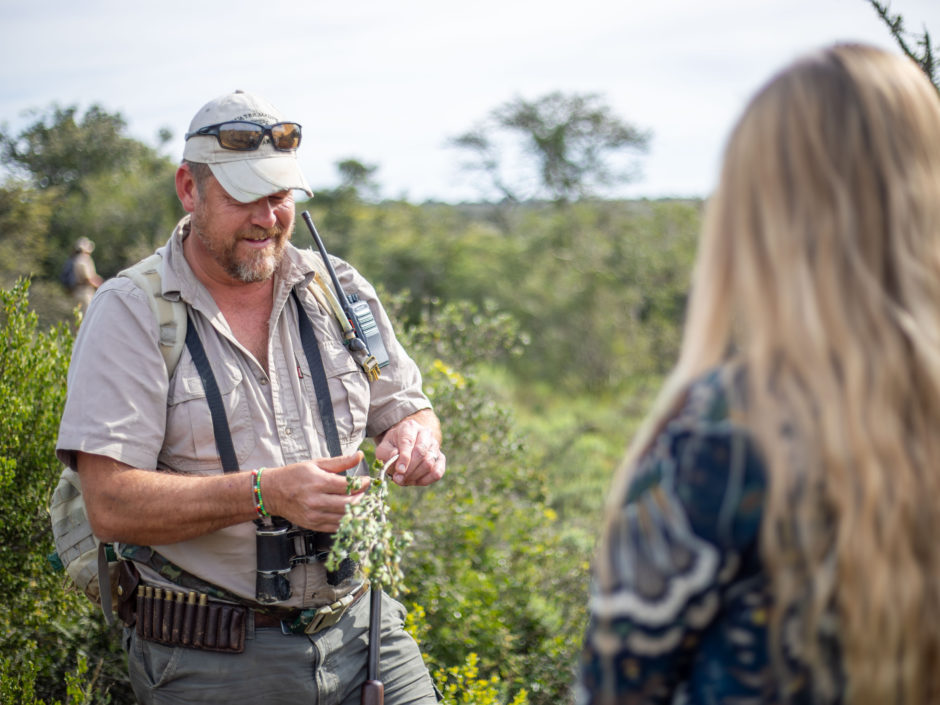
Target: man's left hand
{"type": "Point", "coordinates": [417, 441]}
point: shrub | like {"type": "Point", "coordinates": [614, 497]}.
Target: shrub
{"type": "Point", "coordinates": [500, 584]}
{"type": "Point", "coordinates": [48, 632]}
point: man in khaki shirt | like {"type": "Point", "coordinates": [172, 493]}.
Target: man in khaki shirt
{"type": "Point", "coordinates": [86, 278]}
{"type": "Point", "coordinates": [145, 447]}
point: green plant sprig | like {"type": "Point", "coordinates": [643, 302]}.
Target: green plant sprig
{"type": "Point", "coordinates": [366, 536]}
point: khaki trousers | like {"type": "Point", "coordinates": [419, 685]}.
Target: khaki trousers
{"type": "Point", "coordinates": [327, 668]}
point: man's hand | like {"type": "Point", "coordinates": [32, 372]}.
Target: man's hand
{"type": "Point", "coordinates": [149, 508]}
{"type": "Point", "coordinates": [417, 441]}
{"type": "Point", "coordinates": [312, 494]}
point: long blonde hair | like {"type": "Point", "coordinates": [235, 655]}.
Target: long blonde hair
{"type": "Point", "coordinates": [819, 274]}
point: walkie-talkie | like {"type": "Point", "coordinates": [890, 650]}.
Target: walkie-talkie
{"type": "Point", "coordinates": [357, 312]}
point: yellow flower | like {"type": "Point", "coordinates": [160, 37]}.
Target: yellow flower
{"type": "Point", "coordinates": [452, 375]}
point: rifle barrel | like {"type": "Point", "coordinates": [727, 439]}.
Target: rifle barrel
{"type": "Point", "coordinates": [375, 633]}
{"type": "Point", "coordinates": [373, 690]}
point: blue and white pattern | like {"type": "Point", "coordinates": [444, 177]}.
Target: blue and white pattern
{"type": "Point", "coordinates": [684, 617]}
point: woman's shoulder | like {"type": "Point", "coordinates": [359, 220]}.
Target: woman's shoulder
{"type": "Point", "coordinates": [682, 541]}
{"type": "Point", "coordinates": [714, 397]}
{"type": "Point", "coordinates": [705, 456]}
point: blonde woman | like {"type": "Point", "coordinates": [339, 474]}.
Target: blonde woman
{"type": "Point", "coordinates": [774, 534]}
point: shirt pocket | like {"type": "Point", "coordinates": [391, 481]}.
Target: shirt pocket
{"type": "Point", "coordinates": [349, 392]}
{"type": "Point", "coordinates": [189, 444]}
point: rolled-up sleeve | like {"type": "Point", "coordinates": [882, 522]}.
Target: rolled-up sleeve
{"type": "Point", "coordinates": [397, 392]}
{"type": "Point", "coordinates": [117, 381]}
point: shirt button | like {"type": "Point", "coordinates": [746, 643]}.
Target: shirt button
{"type": "Point", "coordinates": [288, 431]}
{"type": "Point", "coordinates": [262, 380]}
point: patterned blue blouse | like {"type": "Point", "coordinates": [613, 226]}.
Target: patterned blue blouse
{"type": "Point", "coordinates": [686, 618]}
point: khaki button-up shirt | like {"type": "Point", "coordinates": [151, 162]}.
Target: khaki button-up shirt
{"type": "Point", "coordinates": [121, 405]}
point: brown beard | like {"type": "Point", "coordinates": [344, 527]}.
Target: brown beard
{"type": "Point", "coordinates": [256, 266]}
{"type": "Point", "coordinates": [259, 266]}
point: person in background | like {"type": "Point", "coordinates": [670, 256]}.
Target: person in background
{"type": "Point", "coordinates": [84, 279]}
{"type": "Point", "coordinates": [772, 535]}
{"type": "Point", "coordinates": [235, 518]}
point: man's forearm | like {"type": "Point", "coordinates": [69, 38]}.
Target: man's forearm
{"type": "Point", "coordinates": [152, 508]}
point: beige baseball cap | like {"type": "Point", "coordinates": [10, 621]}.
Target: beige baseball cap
{"type": "Point", "coordinates": [249, 175]}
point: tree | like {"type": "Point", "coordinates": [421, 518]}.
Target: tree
{"type": "Point", "coordinates": [358, 177]}
{"type": "Point", "coordinates": [923, 54]}
{"type": "Point", "coordinates": [91, 180]}
{"type": "Point", "coordinates": [575, 143]}
{"type": "Point", "coordinates": [25, 215]}
{"type": "Point", "coordinates": [60, 150]}
{"type": "Point", "coordinates": [356, 184]}
{"type": "Point", "coordinates": [24, 219]}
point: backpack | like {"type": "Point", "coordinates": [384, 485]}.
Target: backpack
{"type": "Point", "coordinates": [67, 275]}
{"type": "Point", "coordinates": [89, 562]}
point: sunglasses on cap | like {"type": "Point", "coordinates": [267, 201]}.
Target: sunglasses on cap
{"type": "Point", "coordinates": [248, 136]}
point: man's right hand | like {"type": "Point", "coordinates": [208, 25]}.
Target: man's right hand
{"type": "Point", "coordinates": [312, 494]}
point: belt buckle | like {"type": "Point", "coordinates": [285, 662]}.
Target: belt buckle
{"type": "Point", "coordinates": [328, 615]}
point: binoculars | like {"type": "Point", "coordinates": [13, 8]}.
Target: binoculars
{"type": "Point", "coordinates": [277, 546]}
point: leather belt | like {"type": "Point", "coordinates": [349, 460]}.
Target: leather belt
{"type": "Point", "coordinates": [309, 621]}
{"type": "Point", "coordinates": [269, 620]}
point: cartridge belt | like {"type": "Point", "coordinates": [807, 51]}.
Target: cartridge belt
{"type": "Point", "coordinates": [190, 619]}
{"type": "Point", "coordinates": [194, 620]}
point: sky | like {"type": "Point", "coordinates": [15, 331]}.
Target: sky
{"type": "Point", "coordinates": [389, 83]}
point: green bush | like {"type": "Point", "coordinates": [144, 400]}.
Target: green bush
{"type": "Point", "coordinates": [49, 633]}
{"type": "Point", "coordinates": [501, 584]}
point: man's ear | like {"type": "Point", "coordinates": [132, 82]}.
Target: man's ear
{"type": "Point", "coordinates": [186, 188]}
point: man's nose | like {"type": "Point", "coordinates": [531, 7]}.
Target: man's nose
{"type": "Point", "coordinates": [263, 213]}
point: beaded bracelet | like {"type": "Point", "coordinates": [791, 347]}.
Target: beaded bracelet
{"type": "Point", "coordinates": [256, 489]}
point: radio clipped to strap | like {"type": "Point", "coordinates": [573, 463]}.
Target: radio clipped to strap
{"type": "Point", "coordinates": [361, 333]}
{"type": "Point", "coordinates": [327, 299]}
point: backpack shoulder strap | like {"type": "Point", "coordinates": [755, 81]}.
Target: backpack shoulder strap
{"type": "Point", "coordinates": [88, 561]}
{"type": "Point", "coordinates": [170, 315]}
